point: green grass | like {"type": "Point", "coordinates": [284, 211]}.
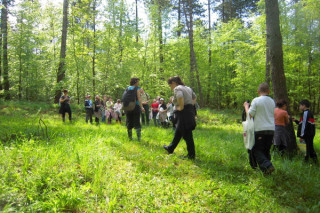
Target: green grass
{"type": "Point", "coordinates": [54, 167]}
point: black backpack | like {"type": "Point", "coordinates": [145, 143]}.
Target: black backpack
{"type": "Point", "coordinates": [129, 99]}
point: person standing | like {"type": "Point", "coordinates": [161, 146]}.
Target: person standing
{"type": "Point", "coordinates": [262, 110]}
{"type": "Point", "coordinates": [145, 98]}
{"type": "Point", "coordinates": [155, 110]}
{"type": "Point", "coordinates": [162, 112]}
{"type": "Point", "coordinates": [65, 105]}
{"type": "Point", "coordinates": [117, 111]}
{"type": "Point", "coordinates": [104, 101]}
{"type": "Point", "coordinates": [109, 110]}
{"type": "Point", "coordinates": [281, 119]}
{"type": "Point", "coordinates": [133, 117]}
{"type": "Point", "coordinates": [98, 107]}
{"type": "Point", "coordinates": [89, 108]}
{"type": "Point", "coordinates": [307, 130]}
{"type": "Point", "coordinates": [184, 116]}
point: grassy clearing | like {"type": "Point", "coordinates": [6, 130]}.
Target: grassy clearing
{"type": "Point", "coordinates": [53, 167]}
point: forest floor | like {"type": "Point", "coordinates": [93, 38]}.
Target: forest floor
{"type": "Point", "coordinates": [50, 166]}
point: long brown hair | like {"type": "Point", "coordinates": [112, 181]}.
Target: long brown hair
{"type": "Point", "coordinates": [175, 79]}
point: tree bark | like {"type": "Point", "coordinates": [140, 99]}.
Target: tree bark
{"type": "Point", "coordinates": [179, 19]}
{"type": "Point", "coordinates": [188, 10]}
{"type": "Point", "coordinates": [1, 60]}
{"type": "Point", "coordinates": [274, 39]}
{"type": "Point", "coordinates": [61, 69]}
{"type": "Point", "coordinates": [209, 54]}
{"type": "Point", "coordinates": [94, 50]}
{"type": "Point", "coordinates": [160, 42]}
{"type": "Point", "coordinates": [4, 29]}
{"type": "Point", "coordinates": [137, 23]}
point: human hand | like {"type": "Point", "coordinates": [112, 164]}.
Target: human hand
{"type": "Point", "coordinates": [142, 109]}
{"type": "Point", "coordinates": [246, 104]}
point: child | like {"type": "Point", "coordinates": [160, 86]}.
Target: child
{"type": "Point", "coordinates": [262, 110]}
{"type": "Point", "coordinates": [281, 119]}
{"type": "Point", "coordinates": [155, 110]}
{"type": "Point", "coordinates": [307, 130]}
{"type": "Point", "coordinates": [89, 108]}
{"type": "Point", "coordinates": [117, 109]}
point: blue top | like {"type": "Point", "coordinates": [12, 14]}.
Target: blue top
{"type": "Point", "coordinates": [132, 88]}
{"type": "Point", "coordinates": [90, 104]}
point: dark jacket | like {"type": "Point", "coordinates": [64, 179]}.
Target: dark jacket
{"type": "Point", "coordinates": [185, 119]}
{"type": "Point", "coordinates": [306, 128]}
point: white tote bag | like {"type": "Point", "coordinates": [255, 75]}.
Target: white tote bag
{"type": "Point", "coordinates": [248, 132]}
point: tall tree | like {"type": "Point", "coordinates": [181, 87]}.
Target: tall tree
{"type": "Point", "coordinates": [137, 22]}
{"type": "Point", "coordinates": [61, 69]}
{"type": "Point", "coordinates": [274, 41]}
{"type": "Point", "coordinates": [189, 8]}
{"type": "Point", "coordinates": [209, 52]}
{"type": "Point", "coordinates": [4, 30]}
{"type": "Point", "coordinates": [94, 48]}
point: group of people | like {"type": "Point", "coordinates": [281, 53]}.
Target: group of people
{"type": "Point", "coordinates": [270, 119]}
{"type": "Point", "coordinates": [102, 109]}
{"type": "Point", "coordinates": [160, 112]}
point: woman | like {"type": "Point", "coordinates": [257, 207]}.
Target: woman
{"type": "Point", "coordinates": [98, 107]}
{"type": "Point", "coordinates": [184, 116]}
{"type": "Point", "coordinates": [117, 110]}
{"type": "Point", "coordinates": [162, 112]}
{"type": "Point", "coordinates": [133, 117]}
{"type": "Point", "coordinates": [281, 119]}
{"type": "Point", "coordinates": [109, 110]}
{"type": "Point", "coordinates": [65, 105]}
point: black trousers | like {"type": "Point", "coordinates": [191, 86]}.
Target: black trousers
{"type": "Point", "coordinates": [145, 114]}
{"type": "Point", "coordinates": [133, 118]}
{"type": "Point", "coordinates": [261, 150]}
{"type": "Point", "coordinates": [188, 137]}
{"type": "Point", "coordinates": [89, 113]}
{"type": "Point", "coordinates": [310, 152]}
{"type": "Point", "coordinates": [64, 114]}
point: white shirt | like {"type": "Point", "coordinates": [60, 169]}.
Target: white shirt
{"type": "Point", "coordinates": [262, 110]}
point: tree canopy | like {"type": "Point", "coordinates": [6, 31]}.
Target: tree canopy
{"type": "Point", "coordinates": [108, 42]}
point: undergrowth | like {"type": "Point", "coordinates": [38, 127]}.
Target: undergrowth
{"type": "Point", "coordinates": [50, 166]}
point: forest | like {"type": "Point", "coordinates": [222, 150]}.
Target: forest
{"type": "Point", "coordinates": [222, 49]}
{"type": "Point", "coordinates": [218, 47]}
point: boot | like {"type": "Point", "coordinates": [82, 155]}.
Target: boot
{"type": "Point", "coordinates": [138, 133]}
{"type": "Point", "coordinates": [130, 134]}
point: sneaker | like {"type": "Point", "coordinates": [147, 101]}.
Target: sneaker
{"type": "Point", "coordinates": [167, 148]}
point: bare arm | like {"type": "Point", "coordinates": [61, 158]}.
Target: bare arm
{"type": "Point", "coordinates": [180, 106]}
{"type": "Point", "coordinates": [246, 107]}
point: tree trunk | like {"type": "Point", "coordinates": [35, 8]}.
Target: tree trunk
{"type": "Point", "coordinates": [268, 71]}
{"type": "Point", "coordinates": [209, 54]}
{"type": "Point", "coordinates": [137, 23]}
{"type": "Point", "coordinates": [4, 29]}
{"type": "Point", "coordinates": [193, 61]}
{"type": "Point", "coordinates": [160, 42]}
{"type": "Point", "coordinates": [1, 60]}
{"type": "Point", "coordinates": [94, 50]}
{"type": "Point", "coordinates": [61, 69]}
{"type": "Point", "coordinates": [276, 62]}
{"type": "Point", "coordinates": [179, 19]}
